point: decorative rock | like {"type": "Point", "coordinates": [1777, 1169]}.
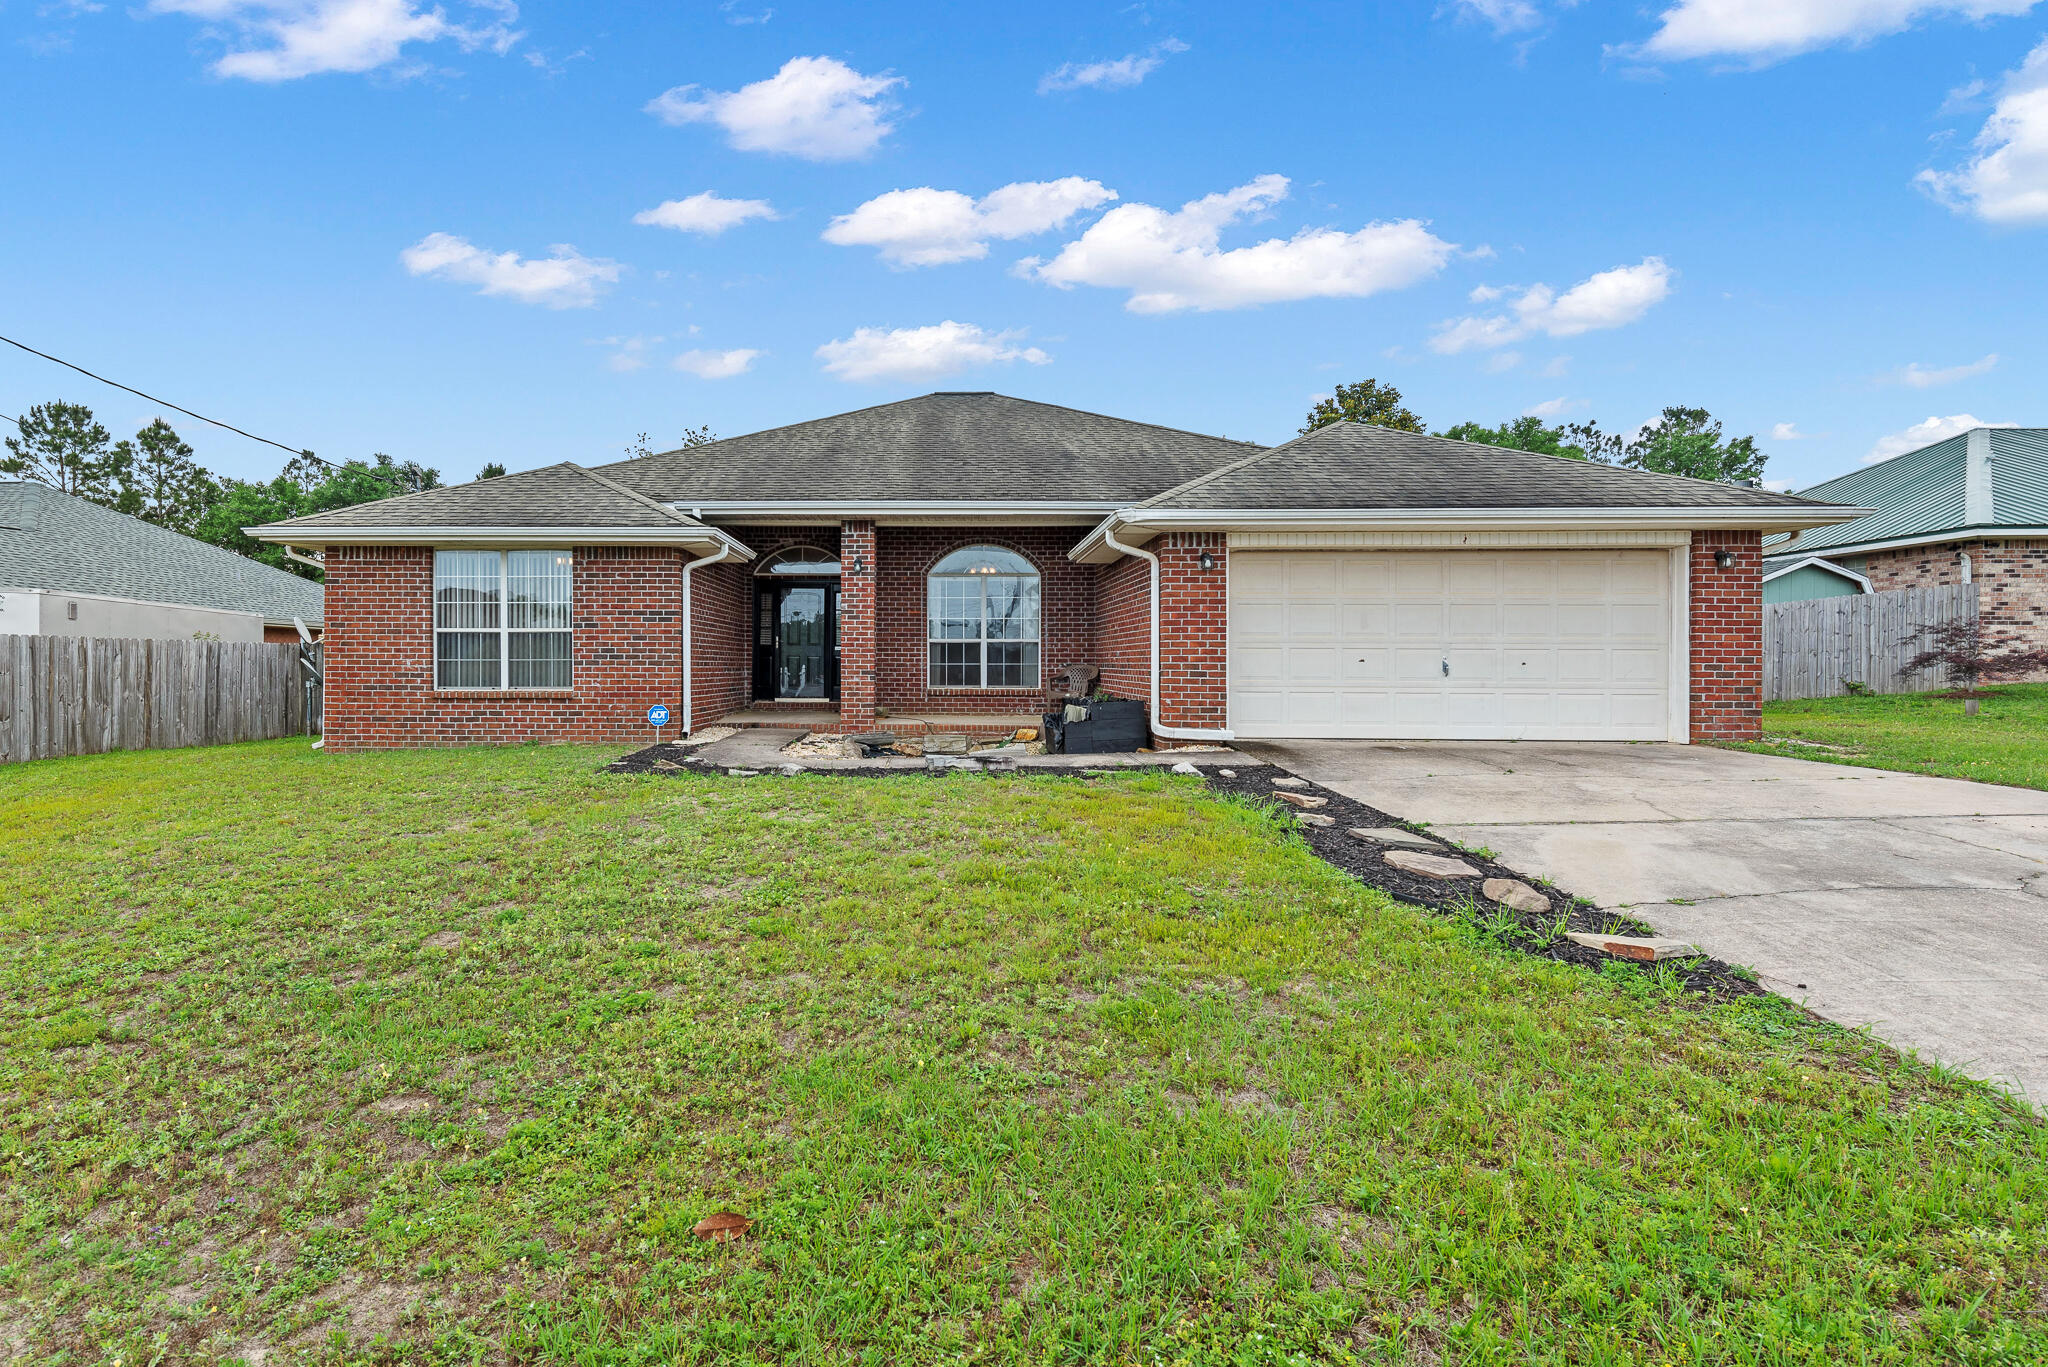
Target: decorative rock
{"type": "Point", "coordinates": [1185, 768]}
{"type": "Point", "coordinates": [1643, 948]}
{"type": "Point", "coordinates": [1392, 835]}
{"type": "Point", "coordinates": [1315, 819]}
{"type": "Point", "coordinates": [1303, 799]}
{"type": "Point", "coordinates": [1430, 865]}
{"type": "Point", "coordinates": [1025, 733]}
{"type": "Point", "coordinates": [1228, 773]}
{"type": "Point", "coordinates": [792, 769]}
{"type": "Point", "coordinates": [1290, 783]}
{"type": "Point", "coordinates": [742, 773]}
{"type": "Point", "coordinates": [1510, 893]}
{"type": "Point", "coordinates": [945, 743]}
{"type": "Point", "coordinates": [932, 761]}
{"type": "Point", "coordinates": [666, 764]}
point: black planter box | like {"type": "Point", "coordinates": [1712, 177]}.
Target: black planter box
{"type": "Point", "coordinates": [1113, 727]}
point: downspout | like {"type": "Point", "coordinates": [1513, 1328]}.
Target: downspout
{"type": "Point", "coordinates": [723, 553]}
{"type": "Point", "coordinates": [1159, 728]}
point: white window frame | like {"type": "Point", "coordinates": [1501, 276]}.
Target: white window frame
{"type": "Point", "coordinates": [984, 640]}
{"type": "Point", "coordinates": [505, 630]}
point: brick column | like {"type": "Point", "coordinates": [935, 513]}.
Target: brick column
{"type": "Point", "coordinates": [857, 635]}
{"type": "Point", "coordinates": [1194, 650]}
{"type": "Point", "coordinates": [1727, 646]}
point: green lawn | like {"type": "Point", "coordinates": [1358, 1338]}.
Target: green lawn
{"type": "Point", "coordinates": [1921, 733]}
{"type": "Point", "coordinates": [437, 1057]}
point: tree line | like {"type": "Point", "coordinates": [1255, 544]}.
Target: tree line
{"type": "Point", "coordinates": [155, 476]}
{"type": "Point", "coordinates": [1682, 441]}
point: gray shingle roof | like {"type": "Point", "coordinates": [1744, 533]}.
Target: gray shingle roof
{"type": "Point", "coordinates": [50, 540]}
{"type": "Point", "coordinates": [1354, 465]}
{"type": "Point", "coordinates": [565, 495]}
{"type": "Point", "coordinates": [967, 447]}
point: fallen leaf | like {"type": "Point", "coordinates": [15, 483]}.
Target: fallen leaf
{"type": "Point", "coordinates": [722, 1227]}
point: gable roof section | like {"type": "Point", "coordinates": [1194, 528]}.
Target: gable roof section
{"type": "Point", "coordinates": [556, 499]}
{"type": "Point", "coordinates": [1924, 493]}
{"type": "Point", "coordinates": [50, 540]}
{"type": "Point", "coordinates": [1356, 465]}
{"type": "Point", "coordinates": [944, 447]}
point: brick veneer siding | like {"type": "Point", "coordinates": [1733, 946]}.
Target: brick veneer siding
{"type": "Point", "coordinates": [2011, 578]}
{"type": "Point", "coordinates": [627, 615]}
{"type": "Point", "coordinates": [1123, 624]}
{"type": "Point", "coordinates": [1194, 628]}
{"type": "Point", "coordinates": [721, 640]}
{"type": "Point", "coordinates": [858, 631]}
{"type": "Point", "coordinates": [1066, 606]}
{"type": "Point", "coordinates": [1726, 611]}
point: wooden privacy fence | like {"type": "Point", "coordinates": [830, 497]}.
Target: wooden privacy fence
{"type": "Point", "coordinates": [1811, 648]}
{"type": "Point", "coordinates": [77, 695]}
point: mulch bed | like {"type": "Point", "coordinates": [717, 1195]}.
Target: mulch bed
{"type": "Point", "coordinates": [1539, 933]}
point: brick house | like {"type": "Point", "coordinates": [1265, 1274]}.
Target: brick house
{"type": "Point", "coordinates": [947, 556]}
{"type": "Point", "coordinates": [1970, 509]}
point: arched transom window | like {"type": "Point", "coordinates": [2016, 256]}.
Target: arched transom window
{"type": "Point", "coordinates": [983, 615]}
{"type": "Point", "coordinates": [799, 562]}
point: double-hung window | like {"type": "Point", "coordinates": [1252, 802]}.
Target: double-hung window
{"type": "Point", "coordinates": [501, 619]}
{"type": "Point", "coordinates": [983, 620]}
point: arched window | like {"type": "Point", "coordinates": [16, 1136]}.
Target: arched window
{"type": "Point", "coordinates": [983, 620]}
{"type": "Point", "coordinates": [800, 562]}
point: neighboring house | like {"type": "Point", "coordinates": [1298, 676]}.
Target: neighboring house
{"type": "Point", "coordinates": [950, 553]}
{"type": "Point", "coordinates": [1971, 509]}
{"type": "Point", "coordinates": [1797, 578]}
{"type": "Point", "coordinates": [72, 568]}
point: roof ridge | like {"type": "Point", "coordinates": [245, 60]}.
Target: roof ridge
{"type": "Point", "coordinates": [1106, 417]}
{"type": "Point", "coordinates": [785, 427]}
{"type": "Point", "coordinates": [635, 495]}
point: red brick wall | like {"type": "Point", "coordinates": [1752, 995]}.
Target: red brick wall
{"type": "Point", "coordinates": [627, 614]}
{"type": "Point", "coordinates": [858, 641]}
{"type": "Point", "coordinates": [2011, 578]}
{"type": "Point", "coordinates": [1066, 596]}
{"type": "Point", "coordinates": [1727, 646]}
{"type": "Point", "coordinates": [1123, 625]}
{"type": "Point", "coordinates": [721, 644]}
{"type": "Point", "coordinates": [1194, 619]}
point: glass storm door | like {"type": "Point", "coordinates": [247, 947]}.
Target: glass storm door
{"type": "Point", "coordinates": [803, 641]}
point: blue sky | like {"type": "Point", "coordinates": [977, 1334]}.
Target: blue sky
{"type": "Point", "coordinates": [375, 225]}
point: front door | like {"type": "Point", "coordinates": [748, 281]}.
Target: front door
{"type": "Point", "coordinates": [797, 647]}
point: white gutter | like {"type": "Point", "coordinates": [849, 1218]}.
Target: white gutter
{"type": "Point", "coordinates": [493, 536]}
{"type": "Point", "coordinates": [723, 553]}
{"type": "Point", "coordinates": [1159, 727]}
{"type": "Point", "coordinates": [318, 559]}
{"type": "Point", "coordinates": [1989, 532]}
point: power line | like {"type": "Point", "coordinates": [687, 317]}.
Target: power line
{"type": "Point", "coordinates": [165, 402]}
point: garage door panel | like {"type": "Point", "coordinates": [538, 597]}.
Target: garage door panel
{"type": "Point", "coordinates": [1542, 644]}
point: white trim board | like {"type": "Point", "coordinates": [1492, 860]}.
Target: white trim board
{"type": "Point", "coordinates": [1455, 540]}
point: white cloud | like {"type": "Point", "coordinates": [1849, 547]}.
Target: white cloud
{"type": "Point", "coordinates": [716, 365]}
{"type": "Point", "coordinates": [1780, 486]}
{"type": "Point", "coordinates": [1763, 31]}
{"type": "Point", "coordinates": [1557, 368]}
{"type": "Point", "coordinates": [566, 279]}
{"type": "Point", "coordinates": [1506, 16]}
{"type": "Point", "coordinates": [1787, 431]}
{"type": "Point", "coordinates": [927, 227]}
{"type": "Point", "coordinates": [2007, 180]}
{"type": "Point", "coordinates": [628, 353]}
{"type": "Point", "coordinates": [704, 213]}
{"type": "Point", "coordinates": [282, 40]}
{"type": "Point", "coordinates": [1501, 362]}
{"type": "Point", "coordinates": [817, 108]}
{"type": "Point", "coordinates": [1113, 75]}
{"type": "Point", "coordinates": [1925, 434]}
{"type": "Point", "coordinates": [1917, 376]}
{"type": "Point", "coordinates": [1610, 299]}
{"type": "Point", "coordinates": [1171, 261]}
{"type": "Point", "coordinates": [1551, 408]}
{"type": "Point", "coordinates": [922, 353]}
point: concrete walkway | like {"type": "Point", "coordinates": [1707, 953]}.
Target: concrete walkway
{"type": "Point", "coordinates": [1917, 906]}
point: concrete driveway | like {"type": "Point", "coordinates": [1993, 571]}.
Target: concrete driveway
{"type": "Point", "coordinates": [1917, 906]}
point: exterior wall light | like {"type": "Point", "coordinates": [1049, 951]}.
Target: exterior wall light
{"type": "Point", "coordinates": [1207, 562]}
{"type": "Point", "coordinates": [1724, 560]}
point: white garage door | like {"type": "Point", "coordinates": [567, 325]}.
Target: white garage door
{"type": "Point", "coordinates": [1476, 645]}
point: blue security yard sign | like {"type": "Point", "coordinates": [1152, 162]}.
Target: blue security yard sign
{"type": "Point", "coordinates": [657, 717]}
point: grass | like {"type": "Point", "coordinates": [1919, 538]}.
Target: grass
{"type": "Point", "coordinates": [437, 1057]}
{"type": "Point", "coordinates": [1920, 733]}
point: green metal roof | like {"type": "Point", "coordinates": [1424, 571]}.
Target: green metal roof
{"type": "Point", "coordinates": [1926, 492]}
